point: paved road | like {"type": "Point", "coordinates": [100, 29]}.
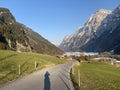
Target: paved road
{"type": "Point", "coordinates": [54, 78]}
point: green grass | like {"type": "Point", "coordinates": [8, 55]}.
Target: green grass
{"type": "Point", "coordinates": [9, 64]}
{"type": "Point", "coordinates": [97, 76]}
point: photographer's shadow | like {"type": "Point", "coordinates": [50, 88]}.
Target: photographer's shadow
{"type": "Point", "coordinates": [47, 81]}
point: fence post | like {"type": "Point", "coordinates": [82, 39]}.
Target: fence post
{"type": "Point", "coordinates": [79, 78]}
{"type": "Point", "coordinates": [35, 65]}
{"type": "Point", "coordinates": [19, 69]}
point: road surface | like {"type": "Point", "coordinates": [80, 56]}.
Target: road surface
{"type": "Point", "coordinates": [54, 78]}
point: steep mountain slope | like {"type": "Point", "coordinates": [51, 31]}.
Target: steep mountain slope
{"type": "Point", "coordinates": [17, 37]}
{"type": "Point", "coordinates": [109, 40]}
{"type": "Point", "coordinates": [86, 33]}
{"type": "Point", "coordinates": [100, 33]}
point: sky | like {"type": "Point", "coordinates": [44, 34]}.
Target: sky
{"type": "Point", "coordinates": [54, 19]}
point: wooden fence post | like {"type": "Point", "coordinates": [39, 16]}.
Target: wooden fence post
{"type": "Point", "coordinates": [79, 78]}
{"type": "Point", "coordinates": [35, 65]}
{"type": "Point", "coordinates": [19, 69]}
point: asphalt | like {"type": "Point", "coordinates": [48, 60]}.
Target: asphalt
{"type": "Point", "coordinates": [54, 78]}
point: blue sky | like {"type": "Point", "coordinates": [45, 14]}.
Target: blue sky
{"type": "Point", "coordinates": [54, 19]}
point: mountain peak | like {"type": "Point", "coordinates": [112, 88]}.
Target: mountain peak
{"type": "Point", "coordinates": [4, 9]}
{"type": "Point", "coordinates": [6, 16]}
{"type": "Point", "coordinates": [104, 11]}
{"type": "Point", "coordinates": [95, 19]}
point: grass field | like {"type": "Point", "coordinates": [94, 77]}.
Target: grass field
{"type": "Point", "coordinates": [96, 76]}
{"type": "Point", "coordinates": [9, 64]}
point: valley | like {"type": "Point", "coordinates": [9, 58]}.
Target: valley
{"type": "Point", "coordinates": [57, 48]}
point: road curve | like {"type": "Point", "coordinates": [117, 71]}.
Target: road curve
{"type": "Point", "coordinates": [54, 78]}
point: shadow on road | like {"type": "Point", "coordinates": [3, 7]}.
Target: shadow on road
{"type": "Point", "coordinates": [47, 81]}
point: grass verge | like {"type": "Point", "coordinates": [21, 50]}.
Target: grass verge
{"type": "Point", "coordinates": [96, 76]}
{"type": "Point", "coordinates": [9, 64]}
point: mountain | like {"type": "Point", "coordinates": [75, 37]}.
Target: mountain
{"type": "Point", "coordinates": [56, 43]}
{"type": "Point", "coordinates": [100, 33]}
{"type": "Point", "coordinates": [18, 37]}
{"type": "Point", "coordinates": [109, 40]}
{"type": "Point", "coordinates": [84, 34]}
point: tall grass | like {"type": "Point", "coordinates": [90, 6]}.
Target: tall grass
{"type": "Point", "coordinates": [9, 64]}
{"type": "Point", "coordinates": [97, 76]}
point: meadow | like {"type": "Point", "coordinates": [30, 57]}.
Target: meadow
{"type": "Point", "coordinates": [17, 64]}
{"type": "Point", "coordinates": [96, 76]}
